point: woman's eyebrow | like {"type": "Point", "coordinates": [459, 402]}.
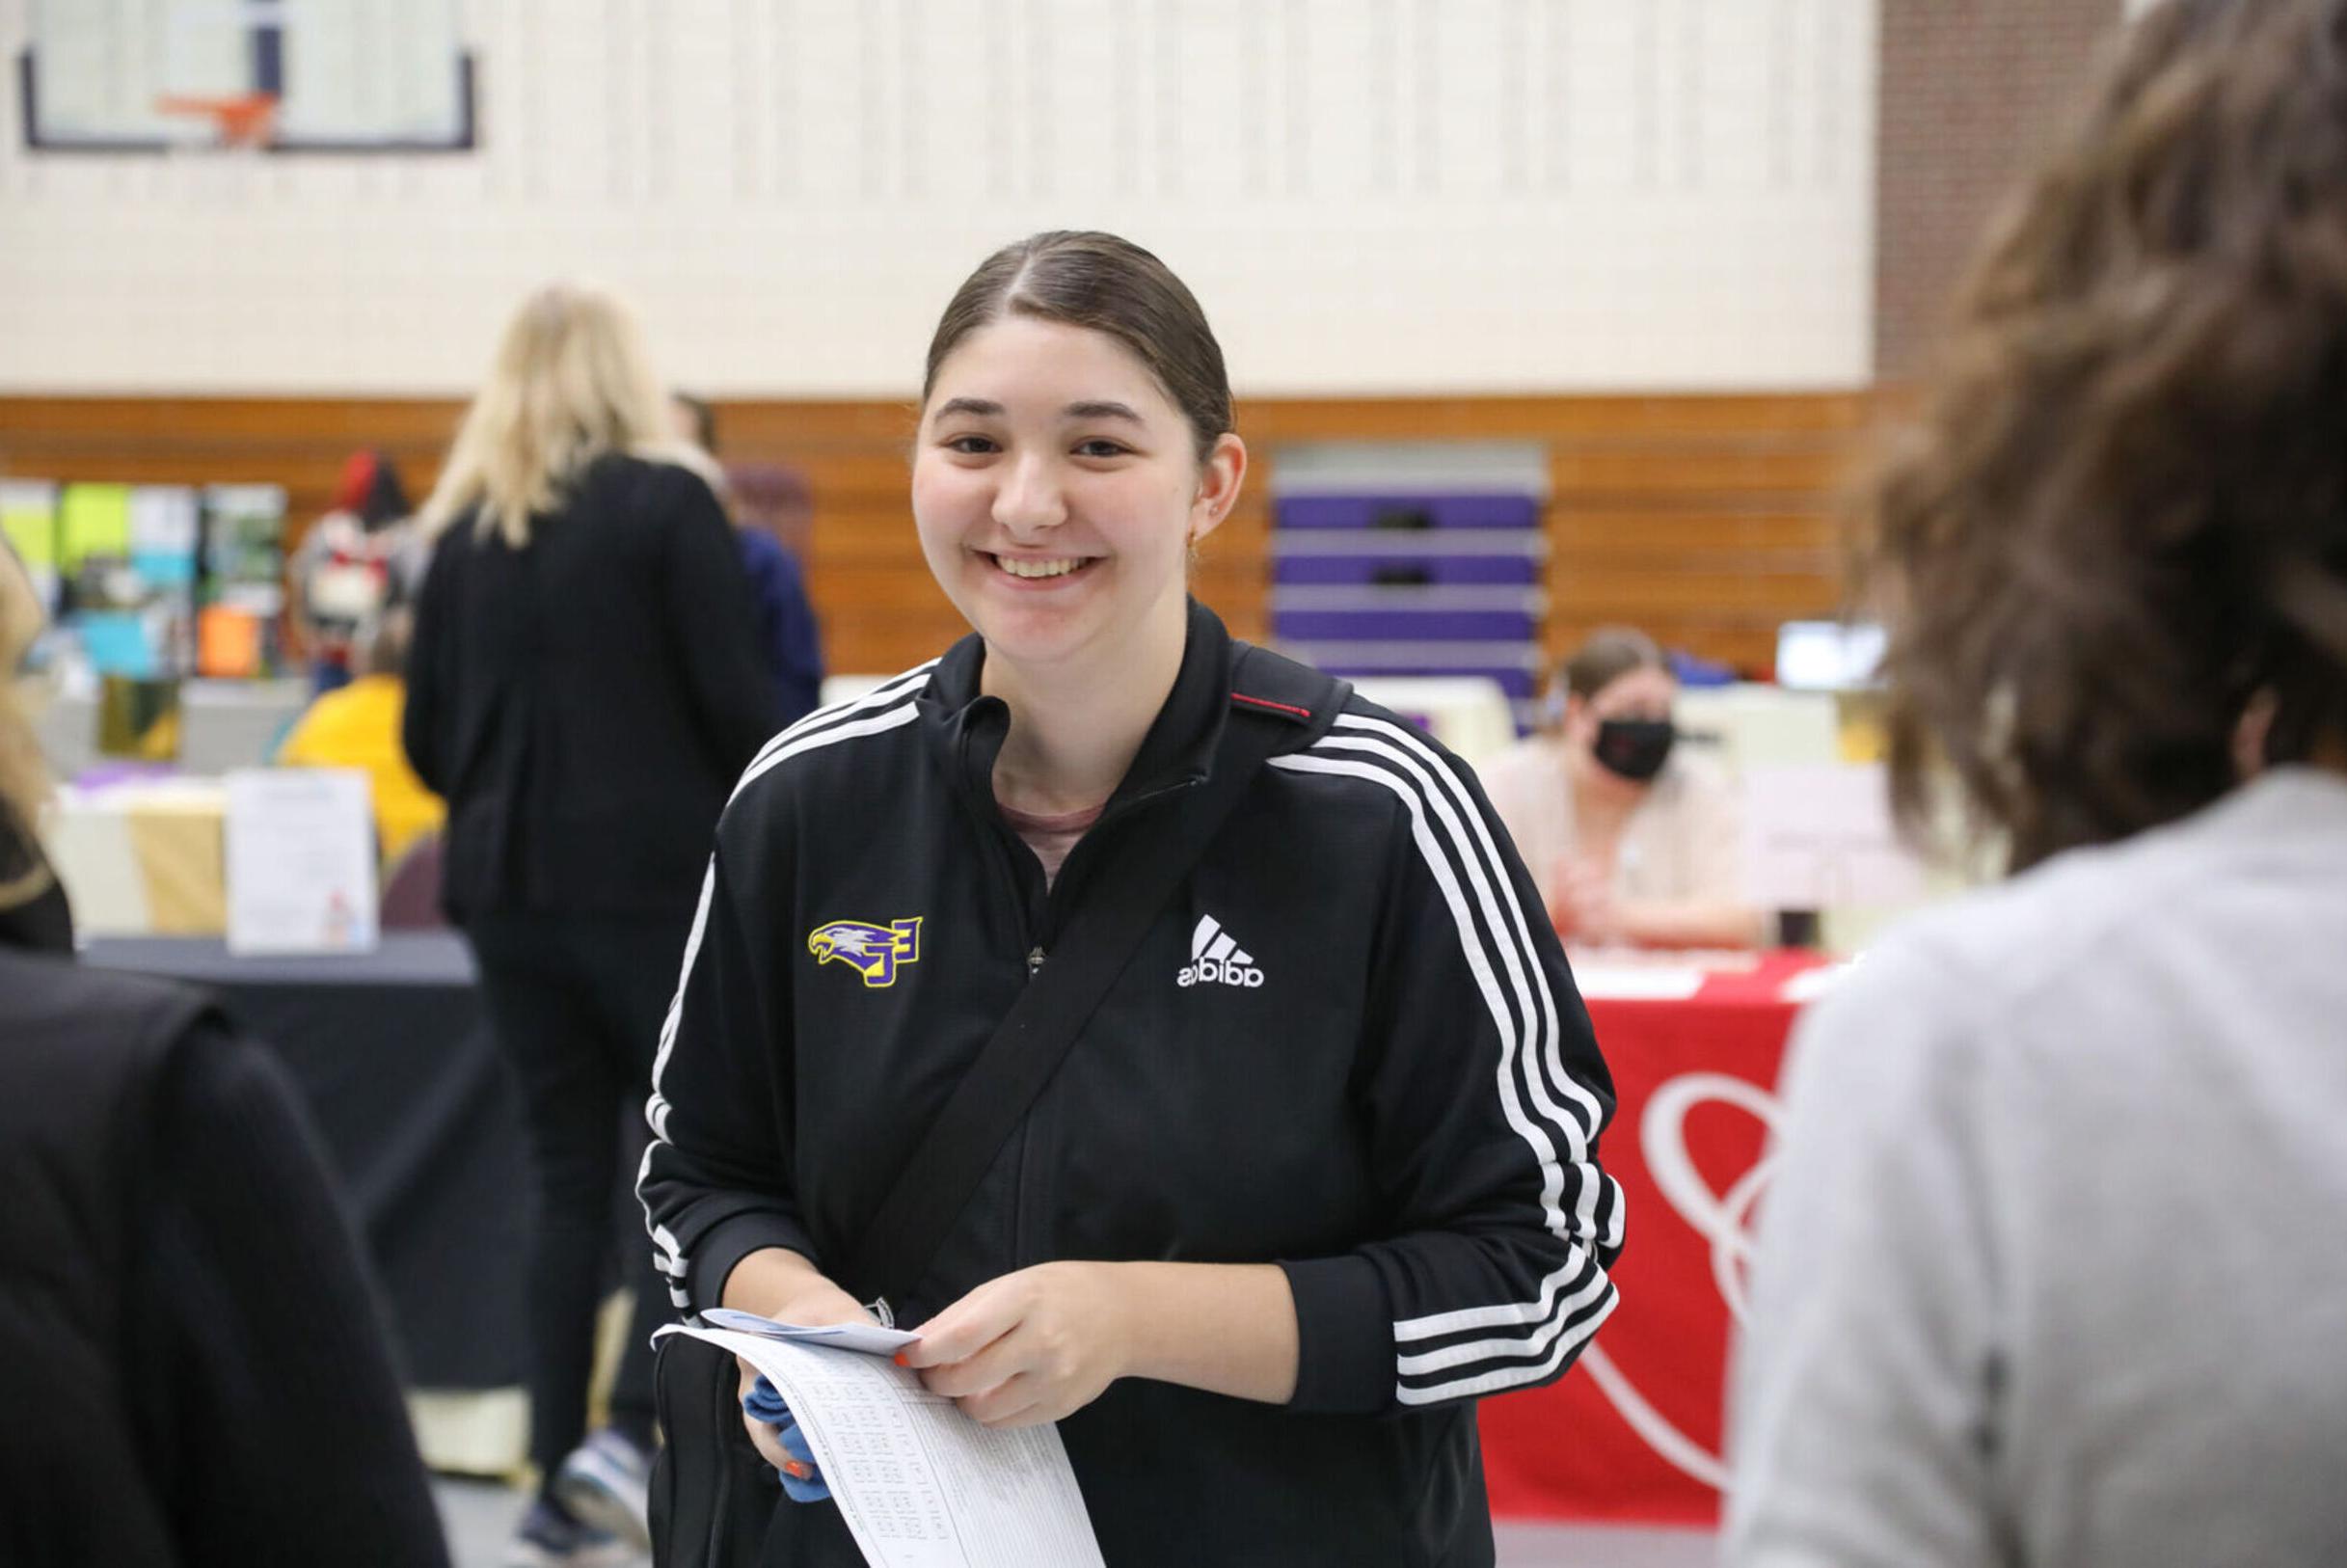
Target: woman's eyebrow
{"type": "Point", "coordinates": [982, 407]}
{"type": "Point", "coordinates": [1103, 410]}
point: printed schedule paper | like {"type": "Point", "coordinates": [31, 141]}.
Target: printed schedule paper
{"type": "Point", "coordinates": [920, 1484]}
{"type": "Point", "coordinates": [299, 857]}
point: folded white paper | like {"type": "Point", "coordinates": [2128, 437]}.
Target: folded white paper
{"type": "Point", "coordinates": [919, 1484]}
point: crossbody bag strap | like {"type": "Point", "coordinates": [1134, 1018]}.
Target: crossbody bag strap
{"type": "Point", "coordinates": [937, 1183]}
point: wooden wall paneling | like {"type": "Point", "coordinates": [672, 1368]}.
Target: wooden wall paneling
{"type": "Point", "coordinates": [1706, 520]}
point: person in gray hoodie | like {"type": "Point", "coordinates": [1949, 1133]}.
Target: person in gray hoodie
{"type": "Point", "coordinates": [2050, 1271]}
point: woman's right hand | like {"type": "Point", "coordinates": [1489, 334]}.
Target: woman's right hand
{"type": "Point", "coordinates": [786, 1287]}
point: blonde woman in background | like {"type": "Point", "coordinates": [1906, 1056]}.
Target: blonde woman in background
{"type": "Point", "coordinates": [33, 909]}
{"type": "Point", "coordinates": [1632, 840]}
{"type": "Point", "coordinates": [583, 686]}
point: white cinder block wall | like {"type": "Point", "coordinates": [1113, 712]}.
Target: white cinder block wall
{"type": "Point", "coordinates": [1371, 196]}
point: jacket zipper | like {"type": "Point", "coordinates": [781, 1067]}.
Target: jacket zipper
{"type": "Point", "coordinates": [1087, 849]}
{"type": "Point", "coordinates": [1036, 954]}
{"type": "Point", "coordinates": [1032, 1187]}
{"type": "Point", "coordinates": [1005, 849]}
{"type": "Point", "coordinates": [1033, 921]}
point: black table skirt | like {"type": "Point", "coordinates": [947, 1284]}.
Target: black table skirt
{"type": "Point", "coordinates": [418, 1117]}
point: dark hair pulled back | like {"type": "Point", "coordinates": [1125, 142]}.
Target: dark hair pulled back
{"type": "Point", "coordinates": [1610, 653]}
{"type": "Point", "coordinates": [1087, 279]}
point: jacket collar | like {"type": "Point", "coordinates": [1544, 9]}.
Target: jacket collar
{"type": "Point", "coordinates": [965, 728]}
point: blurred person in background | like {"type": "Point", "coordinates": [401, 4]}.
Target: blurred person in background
{"type": "Point", "coordinates": [2051, 1270]}
{"type": "Point", "coordinates": [1632, 840]}
{"type": "Point", "coordinates": [192, 1365]}
{"type": "Point", "coordinates": [774, 497]}
{"type": "Point", "coordinates": [33, 912]}
{"type": "Point", "coordinates": [354, 563]}
{"type": "Point", "coordinates": [786, 621]}
{"type": "Point", "coordinates": [584, 685]}
{"type": "Point", "coordinates": [359, 726]}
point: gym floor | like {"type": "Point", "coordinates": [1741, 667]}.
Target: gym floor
{"type": "Point", "coordinates": [480, 1515]}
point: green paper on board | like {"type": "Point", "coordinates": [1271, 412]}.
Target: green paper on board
{"type": "Point", "coordinates": [93, 520]}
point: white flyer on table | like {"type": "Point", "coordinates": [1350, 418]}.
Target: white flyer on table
{"type": "Point", "coordinates": [1820, 837]}
{"type": "Point", "coordinates": [300, 860]}
{"type": "Point", "coordinates": [920, 1484]}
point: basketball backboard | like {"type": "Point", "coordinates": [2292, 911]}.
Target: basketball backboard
{"type": "Point", "coordinates": [282, 75]}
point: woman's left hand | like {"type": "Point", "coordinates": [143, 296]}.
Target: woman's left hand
{"type": "Point", "coordinates": [1028, 1347]}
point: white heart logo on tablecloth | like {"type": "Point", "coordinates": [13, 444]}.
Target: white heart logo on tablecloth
{"type": "Point", "coordinates": [1720, 1218]}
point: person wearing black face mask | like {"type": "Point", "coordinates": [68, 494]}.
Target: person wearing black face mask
{"type": "Point", "coordinates": [1635, 748]}
{"type": "Point", "coordinates": [1633, 841]}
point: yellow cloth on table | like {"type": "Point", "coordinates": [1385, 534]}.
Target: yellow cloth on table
{"type": "Point", "coordinates": [176, 842]}
{"type": "Point", "coordinates": [358, 726]}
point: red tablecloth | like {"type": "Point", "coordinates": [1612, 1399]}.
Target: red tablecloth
{"type": "Point", "coordinates": [1633, 1433]}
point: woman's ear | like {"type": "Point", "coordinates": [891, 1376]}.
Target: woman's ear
{"type": "Point", "coordinates": [1218, 479]}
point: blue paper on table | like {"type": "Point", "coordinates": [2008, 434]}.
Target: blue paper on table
{"type": "Point", "coordinates": [163, 568]}
{"type": "Point", "coordinates": [117, 642]}
{"type": "Point", "coordinates": [869, 1338]}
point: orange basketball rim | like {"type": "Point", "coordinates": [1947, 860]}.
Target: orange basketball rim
{"type": "Point", "coordinates": [243, 120]}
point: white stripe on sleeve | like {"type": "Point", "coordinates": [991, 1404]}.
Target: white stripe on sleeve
{"type": "Point", "coordinates": [1441, 817]}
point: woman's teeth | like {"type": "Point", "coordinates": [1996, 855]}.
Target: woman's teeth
{"type": "Point", "coordinates": [1034, 568]}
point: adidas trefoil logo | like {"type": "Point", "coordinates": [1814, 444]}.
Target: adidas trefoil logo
{"type": "Point", "coordinates": [1215, 960]}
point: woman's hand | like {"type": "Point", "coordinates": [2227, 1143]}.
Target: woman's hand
{"type": "Point", "coordinates": [1585, 907]}
{"type": "Point", "coordinates": [786, 1287]}
{"type": "Point", "coordinates": [1028, 1347]}
{"type": "Point", "coordinates": [774, 1429]}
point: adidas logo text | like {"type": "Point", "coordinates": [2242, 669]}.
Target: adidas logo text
{"type": "Point", "coordinates": [1214, 972]}
{"type": "Point", "coordinates": [1216, 959]}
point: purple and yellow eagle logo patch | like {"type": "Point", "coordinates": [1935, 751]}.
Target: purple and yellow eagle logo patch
{"type": "Point", "coordinates": [872, 950]}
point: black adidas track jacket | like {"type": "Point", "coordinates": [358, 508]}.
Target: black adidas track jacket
{"type": "Point", "coordinates": [1349, 1045]}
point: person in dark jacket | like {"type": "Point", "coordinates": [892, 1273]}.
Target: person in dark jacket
{"type": "Point", "coordinates": [1320, 1171]}
{"type": "Point", "coordinates": [786, 621]}
{"type": "Point", "coordinates": [584, 686]}
{"type": "Point", "coordinates": [192, 1365]}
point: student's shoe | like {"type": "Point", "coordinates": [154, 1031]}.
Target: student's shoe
{"type": "Point", "coordinates": [550, 1538]}
{"type": "Point", "coordinates": [607, 1482]}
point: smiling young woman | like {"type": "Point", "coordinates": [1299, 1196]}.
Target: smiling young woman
{"type": "Point", "coordinates": [1319, 1171]}
{"type": "Point", "coordinates": [1058, 492]}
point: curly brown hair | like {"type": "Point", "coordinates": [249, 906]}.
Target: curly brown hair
{"type": "Point", "coordinates": [2120, 514]}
